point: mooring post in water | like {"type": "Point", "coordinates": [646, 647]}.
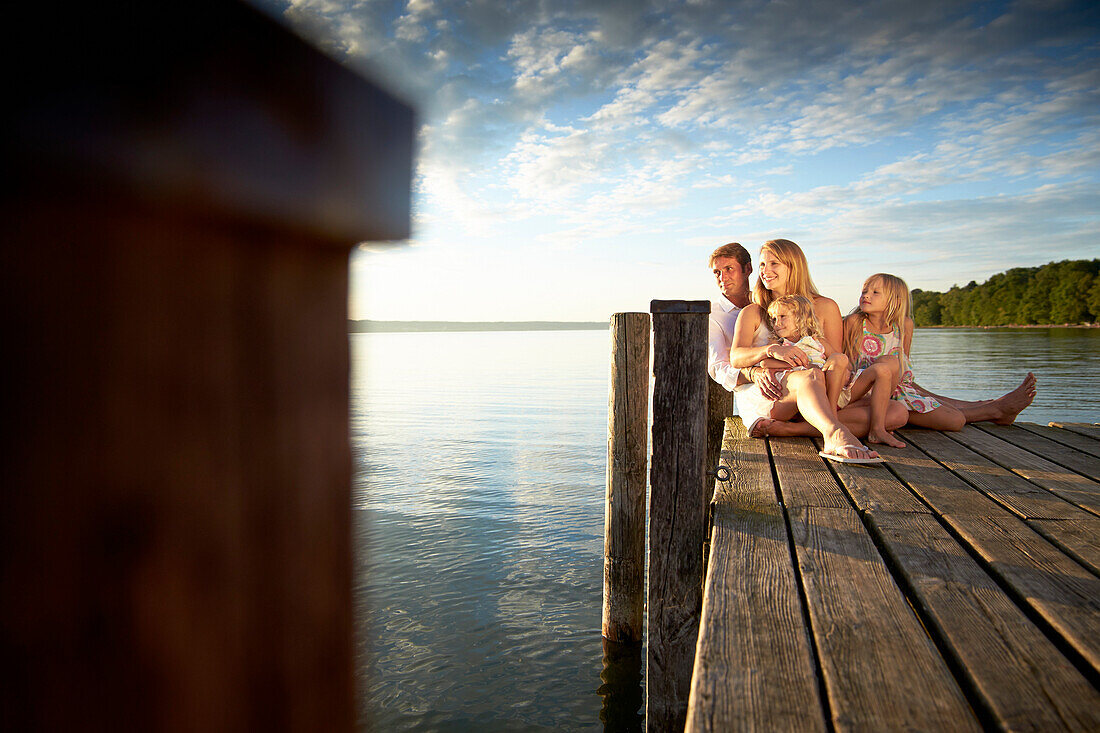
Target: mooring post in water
{"type": "Point", "coordinates": [627, 451]}
{"type": "Point", "coordinates": [677, 506]}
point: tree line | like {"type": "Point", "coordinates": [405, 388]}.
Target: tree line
{"type": "Point", "coordinates": [1055, 293]}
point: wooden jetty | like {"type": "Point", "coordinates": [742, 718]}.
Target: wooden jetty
{"type": "Point", "coordinates": [954, 587]}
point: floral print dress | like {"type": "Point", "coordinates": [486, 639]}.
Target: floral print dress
{"type": "Point", "coordinates": [874, 345]}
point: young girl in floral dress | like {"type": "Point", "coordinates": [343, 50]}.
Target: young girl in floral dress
{"type": "Point", "coordinates": [880, 328]}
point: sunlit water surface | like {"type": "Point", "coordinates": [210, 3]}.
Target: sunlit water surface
{"type": "Point", "coordinates": [479, 489]}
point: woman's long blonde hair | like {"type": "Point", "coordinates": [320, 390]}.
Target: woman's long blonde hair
{"type": "Point", "coordinates": [804, 317]}
{"type": "Point", "coordinates": [899, 305]}
{"type": "Point", "coordinates": [798, 273]}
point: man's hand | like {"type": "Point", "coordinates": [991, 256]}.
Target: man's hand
{"type": "Point", "coordinates": [765, 379]}
{"type": "Point", "coordinates": [789, 353]}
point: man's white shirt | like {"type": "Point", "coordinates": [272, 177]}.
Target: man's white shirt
{"type": "Point", "coordinates": [723, 318]}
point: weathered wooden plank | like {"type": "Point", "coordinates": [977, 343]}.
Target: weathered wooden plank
{"type": "Point", "coordinates": [1022, 680]}
{"type": "Point", "coordinates": [627, 453]}
{"type": "Point", "coordinates": [945, 492]}
{"type": "Point", "coordinates": [677, 513]}
{"type": "Point", "coordinates": [1049, 581]}
{"type": "Point", "coordinates": [1053, 451]}
{"type": "Point", "coordinates": [1067, 484]}
{"type": "Point", "coordinates": [1019, 495]}
{"type": "Point", "coordinates": [1089, 430]}
{"type": "Point", "coordinates": [1079, 538]}
{"type": "Point", "coordinates": [1065, 437]}
{"type": "Point", "coordinates": [754, 666]}
{"type": "Point", "coordinates": [750, 486]}
{"type": "Point", "coordinates": [803, 476]}
{"type": "Point", "coordinates": [881, 670]}
{"type": "Point", "coordinates": [1062, 592]}
{"type": "Point", "coordinates": [873, 491]}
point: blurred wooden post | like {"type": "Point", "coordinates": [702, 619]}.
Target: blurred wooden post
{"type": "Point", "coordinates": [183, 186]}
{"type": "Point", "coordinates": [627, 452]}
{"type": "Point", "coordinates": [677, 506]}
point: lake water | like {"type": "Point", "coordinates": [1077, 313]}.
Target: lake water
{"type": "Point", "coordinates": [479, 490]}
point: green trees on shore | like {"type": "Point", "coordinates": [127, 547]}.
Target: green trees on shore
{"type": "Point", "coordinates": [1056, 293]}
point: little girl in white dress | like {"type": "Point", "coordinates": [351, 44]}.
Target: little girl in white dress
{"type": "Point", "coordinates": [790, 319]}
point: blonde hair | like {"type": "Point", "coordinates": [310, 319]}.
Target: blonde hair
{"type": "Point", "coordinates": [802, 308]}
{"type": "Point", "coordinates": [798, 273]}
{"type": "Point", "coordinates": [899, 305]}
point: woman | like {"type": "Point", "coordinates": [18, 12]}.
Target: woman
{"type": "Point", "coordinates": [783, 271]}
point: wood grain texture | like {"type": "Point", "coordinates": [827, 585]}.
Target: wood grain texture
{"type": "Point", "coordinates": [195, 531]}
{"type": "Point", "coordinates": [175, 549]}
{"type": "Point", "coordinates": [754, 667]}
{"type": "Point", "coordinates": [876, 490]}
{"type": "Point", "coordinates": [1023, 681]}
{"type": "Point", "coordinates": [1067, 484]}
{"type": "Point", "coordinates": [944, 491]}
{"type": "Point", "coordinates": [1060, 590]}
{"type": "Point", "coordinates": [1074, 440]}
{"type": "Point", "coordinates": [1011, 490]}
{"type": "Point", "coordinates": [677, 513]}
{"type": "Point", "coordinates": [1079, 538]}
{"type": "Point", "coordinates": [627, 453]}
{"type": "Point", "coordinates": [720, 406]}
{"type": "Point", "coordinates": [1052, 450]}
{"type": "Point", "coordinates": [803, 475]}
{"type": "Point", "coordinates": [1089, 430]}
{"type": "Point", "coordinates": [881, 670]}
{"type": "Point", "coordinates": [1054, 585]}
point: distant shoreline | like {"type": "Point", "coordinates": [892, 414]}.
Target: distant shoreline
{"type": "Point", "coordinates": [1026, 325]}
{"type": "Point", "coordinates": [368, 326]}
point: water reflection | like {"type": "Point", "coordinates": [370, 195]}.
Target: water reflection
{"type": "Point", "coordinates": [479, 484]}
{"type": "Point", "coordinates": [622, 688]}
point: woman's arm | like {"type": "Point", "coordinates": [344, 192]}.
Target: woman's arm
{"type": "Point", "coordinates": [828, 315]}
{"type": "Point", "coordinates": [907, 336]}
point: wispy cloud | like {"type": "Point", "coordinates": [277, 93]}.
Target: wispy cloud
{"type": "Point", "coordinates": [892, 133]}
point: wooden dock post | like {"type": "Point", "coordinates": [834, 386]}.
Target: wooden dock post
{"type": "Point", "coordinates": [180, 201]}
{"type": "Point", "coordinates": [624, 518]}
{"type": "Point", "coordinates": [677, 506]}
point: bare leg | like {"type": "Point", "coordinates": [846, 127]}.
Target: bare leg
{"type": "Point", "coordinates": [836, 371]}
{"type": "Point", "coordinates": [943, 417]}
{"type": "Point", "coordinates": [1002, 410]}
{"type": "Point", "coordinates": [808, 389]}
{"type": "Point", "coordinates": [879, 379]}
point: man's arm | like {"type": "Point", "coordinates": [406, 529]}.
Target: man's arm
{"type": "Point", "coordinates": [718, 357]}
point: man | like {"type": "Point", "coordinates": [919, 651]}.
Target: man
{"type": "Point", "coordinates": [731, 265]}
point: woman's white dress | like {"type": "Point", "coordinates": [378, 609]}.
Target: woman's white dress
{"type": "Point", "coordinates": [751, 403]}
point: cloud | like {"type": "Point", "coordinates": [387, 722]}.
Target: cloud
{"type": "Point", "coordinates": [914, 130]}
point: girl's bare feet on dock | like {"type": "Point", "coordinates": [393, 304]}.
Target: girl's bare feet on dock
{"type": "Point", "coordinates": [1013, 403]}
{"type": "Point", "coordinates": [885, 437]}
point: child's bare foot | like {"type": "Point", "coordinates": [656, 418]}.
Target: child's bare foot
{"type": "Point", "coordinates": [1013, 403]}
{"type": "Point", "coordinates": [885, 437]}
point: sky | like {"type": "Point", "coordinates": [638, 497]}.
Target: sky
{"type": "Point", "coordinates": [577, 159]}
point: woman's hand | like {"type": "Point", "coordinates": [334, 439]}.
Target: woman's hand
{"type": "Point", "coordinates": [789, 353]}
{"type": "Point", "coordinates": [764, 378]}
